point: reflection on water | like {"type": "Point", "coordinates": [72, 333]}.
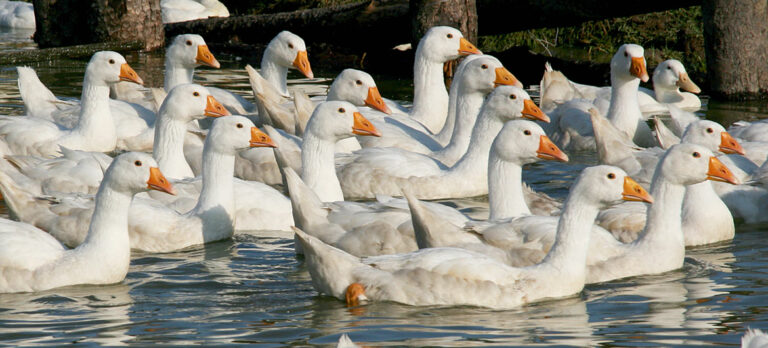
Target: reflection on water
{"type": "Point", "coordinates": [252, 289]}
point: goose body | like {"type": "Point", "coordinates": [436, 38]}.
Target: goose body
{"type": "Point", "coordinates": [17, 14]}
{"type": "Point", "coordinates": [453, 276]}
{"type": "Point", "coordinates": [188, 10]}
{"type": "Point", "coordinates": [32, 260]}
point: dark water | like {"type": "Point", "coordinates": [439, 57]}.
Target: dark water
{"type": "Point", "coordinates": [252, 290]}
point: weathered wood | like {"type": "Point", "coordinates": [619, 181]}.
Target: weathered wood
{"type": "Point", "coordinates": [74, 22]}
{"type": "Point", "coordinates": [460, 14]}
{"type": "Point", "coordinates": [736, 45]}
{"type": "Point", "coordinates": [79, 51]}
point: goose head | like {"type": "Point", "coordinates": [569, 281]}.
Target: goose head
{"type": "Point", "coordinates": [107, 68]}
{"type": "Point", "coordinates": [230, 134]}
{"type": "Point", "coordinates": [688, 164]}
{"type": "Point", "coordinates": [606, 185]}
{"type": "Point", "coordinates": [288, 50]}
{"type": "Point", "coordinates": [713, 136]}
{"type": "Point", "coordinates": [190, 101]}
{"type": "Point", "coordinates": [441, 44]}
{"type": "Point", "coordinates": [523, 142]}
{"type": "Point", "coordinates": [483, 73]}
{"type": "Point", "coordinates": [336, 120]}
{"type": "Point", "coordinates": [509, 102]}
{"type": "Point", "coordinates": [358, 88]}
{"type": "Point", "coordinates": [134, 172]}
{"type": "Point", "coordinates": [629, 63]}
{"type": "Point", "coordinates": [189, 51]}
{"type": "Point", "coordinates": [671, 74]}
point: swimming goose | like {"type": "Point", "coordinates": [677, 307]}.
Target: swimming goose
{"type": "Point", "coordinates": [571, 127]}
{"type": "Point", "coordinates": [32, 260]}
{"type": "Point", "coordinates": [668, 78]}
{"type": "Point", "coordinates": [152, 225]}
{"type": "Point", "coordinates": [188, 10]}
{"type": "Point", "coordinates": [17, 14]}
{"type": "Point", "coordinates": [372, 171]}
{"type": "Point", "coordinates": [453, 276]}
{"type": "Point", "coordinates": [95, 130]}
{"type": "Point", "coordinates": [82, 171]}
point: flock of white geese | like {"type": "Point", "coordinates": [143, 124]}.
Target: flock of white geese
{"type": "Point", "coordinates": [77, 212]}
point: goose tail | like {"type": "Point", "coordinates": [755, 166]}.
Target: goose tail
{"type": "Point", "coordinates": [39, 101]}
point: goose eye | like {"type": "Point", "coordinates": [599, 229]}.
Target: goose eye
{"type": "Point", "coordinates": [111, 61]}
{"type": "Point", "coordinates": [696, 155]}
{"type": "Point", "coordinates": [450, 36]}
{"type": "Point", "coordinates": [512, 96]}
{"type": "Point", "coordinates": [290, 45]}
{"type": "Point", "coordinates": [239, 125]}
{"type": "Point", "coordinates": [611, 176]}
{"type": "Point", "coordinates": [196, 94]}
{"type": "Point", "coordinates": [137, 163]}
{"type": "Point", "coordinates": [484, 66]}
{"type": "Point", "coordinates": [341, 110]}
{"type": "Point", "coordinates": [189, 43]}
{"type": "Point", "coordinates": [359, 83]}
{"type": "Point", "coordinates": [527, 132]}
{"type": "Point", "coordinates": [625, 54]}
{"type": "Point", "coordinates": [669, 67]}
{"type": "Point", "coordinates": [710, 130]}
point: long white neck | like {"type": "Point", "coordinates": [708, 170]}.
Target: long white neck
{"type": "Point", "coordinates": [318, 168]}
{"type": "Point", "coordinates": [176, 74]}
{"type": "Point", "coordinates": [474, 164]}
{"type": "Point", "coordinates": [168, 149]}
{"type": "Point", "coordinates": [430, 99]}
{"type": "Point", "coordinates": [663, 226]}
{"type": "Point", "coordinates": [445, 134]}
{"type": "Point", "coordinates": [217, 195]}
{"type": "Point", "coordinates": [667, 94]}
{"type": "Point", "coordinates": [275, 73]}
{"type": "Point", "coordinates": [468, 105]}
{"type": "Point", "coordinates": [505, 189]}
{"type": "Point", "coordinates": [96, 125]}
{"type": "Point", "coordinates": [624, 110]}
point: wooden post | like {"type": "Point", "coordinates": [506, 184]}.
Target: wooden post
{"type": "Point", "coordinates": [75, 22]}
{"type": "Point", "coordinates": [460, 14]}
{"type": "Point", "coordinates": [736, 44]}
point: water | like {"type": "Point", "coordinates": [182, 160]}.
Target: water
{"type": "Point", "coordinates": [252, 290]}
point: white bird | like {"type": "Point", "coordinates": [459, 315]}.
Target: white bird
{"type": "Point", "coordinates": [754, 338]}
{"type": "Point", "coordinates": [188, 10]}
{"type": "Point", "coordinates": [32, 260]}
{"type": "Point", "coordinates": [452, 276]}
{"type": "Point", "coordinates": [17, 14]}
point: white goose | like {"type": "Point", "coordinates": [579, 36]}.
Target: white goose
{"type": "Point", "coordinates": [571, 127]}
{"type": "Point", "coordinates": [668, 78]}
{"type": "Point", "coordinates": [372, 171]}
{"type": "Point", "coordinates": [452, 276]}
{"type": "Point", "coordinates": [95, 130]}
{"type": "Point", "coordinates": [32, 260]}
{"type": "Point", "coordinates": [17, 14]}
{"type": "Point", "coordinates": [187, 10]}
{"type": "Point", "coordinates": [82, 171]}
{"type": "Point", "coordinates": [706, 219]}
{"type": "Point", "coordinates": [152, 225]}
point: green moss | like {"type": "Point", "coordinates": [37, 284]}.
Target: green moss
{"type": "Point", "coordinates": [674, 34]}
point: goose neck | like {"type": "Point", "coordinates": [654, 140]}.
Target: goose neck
{"type": "Point", "coordinates": [318, 168]}
{"type": "Point", "coordinates": [168, 149]}
{"type": "Point", "coordinates": [568, 254]}
{"type": "Point", "coordinates": [430, 99]}
{"type": "Point", "coordinates": [275, 73]}
{"type": "Point", "coordinates": [666, 94]}
{"type": "Point", "coordinates": [218, 173]}
{"type": "Point", "coordinates": [624, 110]}
{"type": "Point", "coordinates": [95, 116]}
{"type": "Point", "coordinates": [107, 237]}
{"type": "Point", "coordinates": [664, 222]}
{"type": "Point", "coordinates": [176, 75]}
{"type": "Point", "coordinates": [467, 108]}
{"type": "Point", "coordinates": [505, 189]}
{"type": "Point", "coordinates": [475, 160]}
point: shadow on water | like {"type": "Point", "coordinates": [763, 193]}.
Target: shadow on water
{"type": "Point", "coordinates": [252, 289]}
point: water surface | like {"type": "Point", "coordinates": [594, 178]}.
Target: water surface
{"type": "Point", "coordinates": [253, 290]}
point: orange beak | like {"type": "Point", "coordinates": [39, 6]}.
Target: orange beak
{"type": "Point", "coordinates": [531, 111]}
{"type": "Point", "coordinates": [205, 57]}
{"type": "Point", "coordinates": [466, 48]}
{"type": "Point", "coordinates": [686, 84]}
{"type": "Point", "coordinates": [719, 172]}
{"type": "Point", "coordinates": [260, 139]}
{"type": "Point", "coordinates": [127, 74]}
{"type": "Point", "coordinates": [302, 63]}
{"type": "Point", "coordinates": [729, 145]}
{"type": "Point", "coordinates": [375, 101]}
{"type": "Point", "coordinates": [549, 151]}
{"type": "Point", "coordinates": [634, 192]}
{"type": "Point", "coordinates": [504, 77]}
{"type": "Point", "coordinates": [214, 109]}
{"type": "Point", "coordinates": [157, 181]}
{"type": "Point", "coordinates": [637, 69]}
{"type": "Point", "coordinates": [364, 127]}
